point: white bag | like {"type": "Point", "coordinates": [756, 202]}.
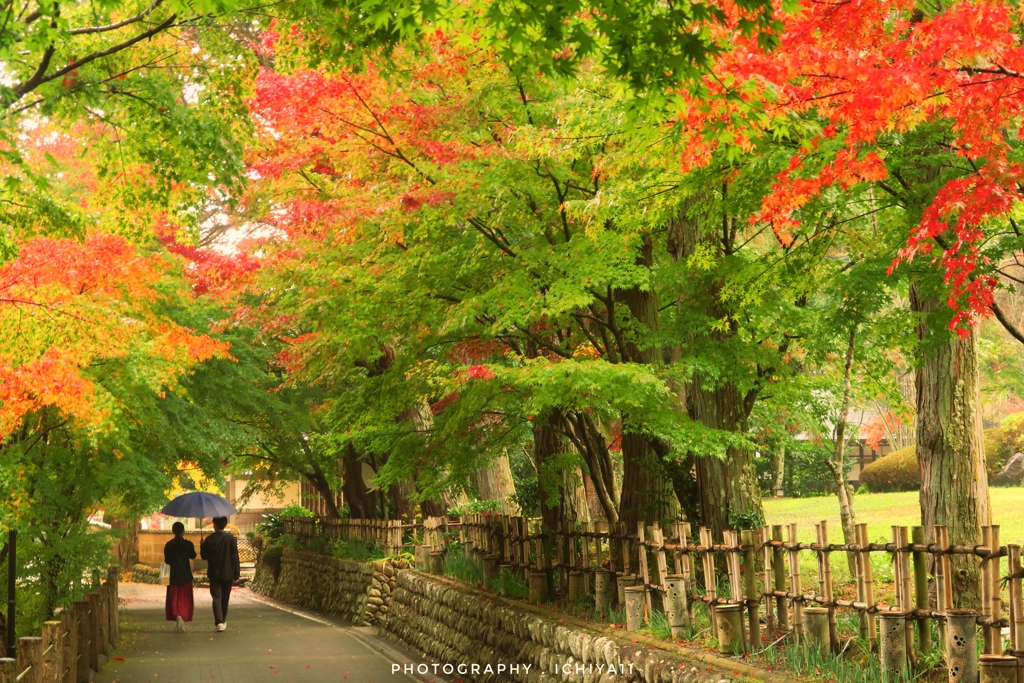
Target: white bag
{"type": "Point", "coordinates": [165, 574]}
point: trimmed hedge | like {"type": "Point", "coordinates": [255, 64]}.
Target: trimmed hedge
{"type": "Point", "coordinates": [899, 471]}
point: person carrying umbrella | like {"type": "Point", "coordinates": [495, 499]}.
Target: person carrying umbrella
{"type": "Point", "coordinates": [178, 553]}
{"type": "Point", "coordinates": [220, 549]}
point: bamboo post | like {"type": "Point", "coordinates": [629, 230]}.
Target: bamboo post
{"type": "Point", "coordinates": [994, 593]}
{"type": "Point", "coordinates": [730, 630]}
{"type": "Point", "coordinates": [30, 656]}
{"type": "Point", "coordinates": [779, 567]}
{"type": "Point", "coordinates": [825, 579]}
{"type": "Point", "coordinates": [710, 582]}
{"type": "Point", "coordinates": [677, 555]}
{"type": "Point", "coordinates": [645, 574]}
{"type": "Point", "coordinates": [764, 535]}
{"type": "Point", "coordinates": [893, 646]}
{"type": "Point", "coordinates": [901, 538]}
{"type": "Point", "coordinates": [524, 540]}
{"type": "Point", "coordinates": [1016, 606]}
{"type": "Point", "coordinates": [627, 557]}
{"type": "Point", "coordinates": [687, 566]}
{"type": "Point", "coordinates": [998, 668]}
{"type": "Point", "coordinates": [635, 607]}
{"type": "Point", "coordinates": [750, 585]}
{"type": "Point", "coordinates": [986, 600]}
{"type": "Point", "coordinates": [943, 583]}
{"type": "Point", "coordinates": [538, 588]}
{"type": "Point", "coordinates": [732, 540]}
{"type": "Point", "coordinates": [661, 562]}
{"type": "Point", "coordinates": [585, 551]}
{"type": "Point", "coordinates": [924, 632]}
{"type": "Point", "coordinates": [866, 572]}
{"type": "Point", "coordinates": [604, 589]}
{"type": "Point", "coordinates": [962, 645]}
{"type": "Point", "coordinates": [795, 586]}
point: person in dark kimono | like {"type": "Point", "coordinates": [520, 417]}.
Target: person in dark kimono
{"type": "Point", "coordinates": [178, 554]}
{"type": "Point", "coordinates": [221, 550]}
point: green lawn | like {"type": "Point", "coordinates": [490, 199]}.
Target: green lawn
{"type": "Point", "coordinates": [883, 510]}
{"type": "Point", "coordinates": [880, 511]}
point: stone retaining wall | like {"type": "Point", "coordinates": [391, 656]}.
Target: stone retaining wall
{"type": "Point", "coordinates": [359, 592]}
{"type": "Point", "coordinates": [450, 625]}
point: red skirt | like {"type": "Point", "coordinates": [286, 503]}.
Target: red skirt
{"type": "Point", "coordinates": [179, 602]}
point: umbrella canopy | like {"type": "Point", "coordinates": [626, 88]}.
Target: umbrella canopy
{"type": "Point", "coordinates": [199, 504]}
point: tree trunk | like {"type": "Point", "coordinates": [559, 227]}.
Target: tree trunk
{"type": "Point", "coordinates": [494, 482]}
{"type": "Point", "coordinates": [729, 493]}
{"type": "Point", "coordinates": [727, 488]}
{"type": "Point", "coordinates": [847, 518]}
{"type": "Point", "coordinates": [646, 491]}
{"type": "Point", "coordinates": [591, 443]}
{"type": "Point", "coordinates": [362, 503]}
{"type": "Point", "coordinates": [950, 447]}
{"type": "Point", "coordinates": [547, 443]}
{"type": "Point", "coordinates": [778, 469]}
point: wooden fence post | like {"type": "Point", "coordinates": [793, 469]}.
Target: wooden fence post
{"type": "Point", "coordinates": [115, 605]}
{"type": "Point", "coordinates": [69, 645]}
{"type": "Point", "coordinates": [52, 669]}
{"type": "Point", "coordinates": [92, 624]}
{"type": "Point", "coordinates": [30, 658]}
{"type": "Point", "coordinates": [84, 645]}
{"type": "Point", "coordinates": [8, 673]}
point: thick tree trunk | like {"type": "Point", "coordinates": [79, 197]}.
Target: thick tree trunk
{"type": "Point", "coordinates": [319, 481]}
{"type": "Point", "coordinates": [727, 488]}
{"type": "Point", "coordinates": [362, 502]}
{"type": "Point", "coordinates": [646, 490]}
{"type": "Point", "coordinates": [950, 448]}
{"type": "Point", "coordinates": [547, 443]}
{"type": "Point", "coordinates": [494, 482]}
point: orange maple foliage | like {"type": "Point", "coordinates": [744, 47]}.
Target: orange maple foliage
{"type": "Point", "coordinates": [864, 70]}
{"type": "Point", "coordinates": [67, 305]}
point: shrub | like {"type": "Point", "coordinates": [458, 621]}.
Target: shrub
{"type": "Point", "coordinates": [899, 471]}
{"type": "Point", "coordinates": [272, 559]}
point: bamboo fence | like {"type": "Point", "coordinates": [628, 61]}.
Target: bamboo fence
{"type": "Point", "coordinates": [751, 583]}
{"type": "Point", "coordinates": [70, 648]}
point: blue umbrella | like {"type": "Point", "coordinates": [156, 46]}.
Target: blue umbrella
{"type": "Point", "coordinates": [199, 504]}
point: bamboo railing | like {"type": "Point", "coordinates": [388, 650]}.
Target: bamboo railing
{"type": "Point", "coordinates": [69, 648]}
{"type": "Point", "coordinates": [750, 574]}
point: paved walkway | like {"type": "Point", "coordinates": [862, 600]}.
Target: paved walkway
{"type": "Point", "coordinates": [263, 643]}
